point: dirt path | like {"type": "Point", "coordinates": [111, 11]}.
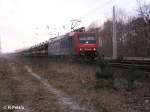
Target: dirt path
{"type": "Point", "coordinates": [64, 101]}
{"type": "Point", "coordinates": [21, 90]}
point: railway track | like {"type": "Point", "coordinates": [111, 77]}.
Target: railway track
{"type": "Point", "coordinates": [143, 65]}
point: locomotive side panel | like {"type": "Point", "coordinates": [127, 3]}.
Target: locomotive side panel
{"type": "Point", "coordinates": [71, 41]}
{"type": "Point", "coordinates": [59, 46]}
{"type": "Point", "coordinates": [64, 46]}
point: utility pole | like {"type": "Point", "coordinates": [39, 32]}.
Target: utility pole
{"type": "Point", "coordinates": [114, 35]}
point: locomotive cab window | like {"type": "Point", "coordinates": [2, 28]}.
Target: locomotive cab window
{"type": "Point", "coordinates": [87, 38]}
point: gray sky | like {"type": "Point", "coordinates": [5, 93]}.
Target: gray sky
{"type": "Point", "coordinates": [24, 22]}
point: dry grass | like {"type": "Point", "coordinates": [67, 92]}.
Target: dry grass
{"type": "Point", "coordinates": [17, 87]}
{"type": "Point", "coordinates": [79, 81]}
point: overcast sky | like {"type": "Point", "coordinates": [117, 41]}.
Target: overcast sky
{"type": "Point", "coordinates": [26, 22]}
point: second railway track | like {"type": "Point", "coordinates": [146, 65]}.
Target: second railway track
{"type": "Point", "coordinates": [130, 64]}
{"type": "Point", "coordinates": [142, 65]}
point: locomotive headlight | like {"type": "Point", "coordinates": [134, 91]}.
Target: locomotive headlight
{"type": "Point", "coordinates": [80, 49]}
{"type": "Point", "coordinates": [94, 49]}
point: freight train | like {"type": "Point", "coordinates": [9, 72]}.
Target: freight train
{"type": "Point", "coordinates": [78, 43]}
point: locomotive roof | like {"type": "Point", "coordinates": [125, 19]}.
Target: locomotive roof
{"type": "Point", "coordinates": [56, 38]}
{"type": "Point", "coordinates": [67, 34]}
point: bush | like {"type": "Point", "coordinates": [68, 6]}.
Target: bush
{"type": "Point", "coordinates": [104, 78]}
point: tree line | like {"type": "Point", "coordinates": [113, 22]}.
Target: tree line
{"type": "Point", "coordinates": [133, 33]}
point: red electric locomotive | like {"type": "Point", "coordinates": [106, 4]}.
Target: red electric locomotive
{"type": "Point", "coordinates": [76, 43]}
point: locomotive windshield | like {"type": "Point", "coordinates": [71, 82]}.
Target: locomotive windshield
{"type": "Point", "coordinates": [87, 38]}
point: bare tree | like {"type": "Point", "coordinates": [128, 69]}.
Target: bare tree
{"type": "Point", "coordinates": [92, 27]}
{"type": "Point", "coordinates": [143, 10]}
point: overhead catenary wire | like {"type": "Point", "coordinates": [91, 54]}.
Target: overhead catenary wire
{"type": "Point", "coordinates": [88, 15]}
{"type": "Point", "coordinates": [99, 7]}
